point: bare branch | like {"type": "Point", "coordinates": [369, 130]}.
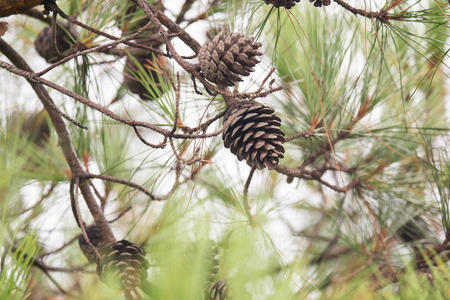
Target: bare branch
{"type": "Point", "coordinates": [245, 198]}
{"type": "Point", "coordinates": [124, 182]}
{"type": "Point", "coordinates": [381, 15]}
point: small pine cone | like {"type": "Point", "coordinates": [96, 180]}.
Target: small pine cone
{"type": "Point", "coordinates": [206, 257]}
{"type": "Point", "coordinates": [34, 126]}
{"type": "Point", "coordinates": [227, 57]}
{"type": "Point", "coordinates": [64, 41]}
{"type": "Point", "coordinates": [217, 291]}
{"type": "Point", "coordinates": [282, 3]}
{"type": "Point", "coordinates": [133, 75]}
{"type": "Point", "coordinates": [95, 238]}
{"type": "Point", "coordinates": [122, 265]}
{"type": "Point", "coordinates": [320, 3]}
{"type": "Point", "coordinates": [254, 134]}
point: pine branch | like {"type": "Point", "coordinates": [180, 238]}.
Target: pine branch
{"type": "Point", "coordinates": [381, 15]}
{"type": "Point", "coordinates": [125, 182]}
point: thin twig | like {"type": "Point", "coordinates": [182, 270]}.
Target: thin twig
{"type": "Point", "coordinates": [194, 158]}
{"type": "Point", "coordinates": [308, 175]}
{"type": "Point", "coordinates": [161, 145]}
{"type": "Point", "coordinates": [58, 286]}
{"type": "Point", "coordinates": [41, 265]}
{"type": "Point", "coordinates": [41, 199]}
{"type": "Point", "coordinates": [245, 198]}
{"type": "Point", "coordinates": [204, 126]}
{"type": "Point", "coordinates": [123, 212]}
{"type": "Point", "coordinates": [100, 197]}
{"type": "Point", "coordinates": [173, 27]}
{"type": "Point", "coordinates": [150, 11]}
{"type": "Point", "coordinates": [101, 48]}
{"type": "Point", "coordinates": [75, 206]}
{"type": "Point", "coordinates": [55, 46]}
{"type": "Point", "coordinates": [204, 14]}
{"type": "Point", "coordinates": [36, 79]}
{"type": "Point", "coordinates": [124, 182]}
{"type": "Point", "coordinates": [38, 89]}
{"type": "Point", "coordinates": [177, 89]}
{"type": "Point", "coordinates": [195, 85]}
{"type": "Point", "coordinates": [304, 134]}
{"type": "Point", "coordinates": [184, 9]}
{"type": "Point", "coordinates": [60, 248]}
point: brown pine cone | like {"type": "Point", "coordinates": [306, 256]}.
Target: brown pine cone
{"type": "Point", "coordinates": [34, 126]}
{"type": "Point", "coordinates": [282, 3]}
{"type": "Point", "coordinates": [95, 238]}
{"type": "Point", "coordinates": [217, 291]}
{"type": "Point", "coordinates": [64, 41]}
{"type": "Point", "coordinates": [213, 31]}
{"type": "Point", "coordinates": [320, 3]}
{"type": "Point", "coordinates": [413, 230]}
{"type": "Point", "coordinates": [227, 57]}
{"type": "Point", "coordinates": [134, 75]}
{"type": "Point", "coordinates": [205, 258]}
{"type": "Point", "coordinates": [122, 265]}
{"type": "Point", "coordinates": [254, 134]}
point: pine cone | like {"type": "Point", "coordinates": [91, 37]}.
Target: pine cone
{"type": "Point", "coordinates": [205, 258]}
{"type": "Point", "coordinates": [122, 265]}
{"type": "Point", "coordinates": [320, 3]}
{"type": "Point", "coordinates": [254, 134]}
{"type": "Point", "coordinates": [213, 31]}
{"type": "Point", "coordinates": [64, 41]}
{"type": "Point", "coordinates": [95, 238]}
{"type": "Point", "coordinates": [413, 230]}
{"type": "Point", "coordinates": [227, 57]}
{"type": "Point", "coordinates": [282, 3]}
{"type": "Point", "coordinates": [34, 126]}
{"type": "Point", "coordinates": [133, 75]}
{"type": "Point", "coordinates": [217, 291]}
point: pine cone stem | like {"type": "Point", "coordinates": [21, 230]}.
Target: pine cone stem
{"type": "Point", "coordinates": [245, 201]}
{"type": "Point", "coordinates": [230, 101]}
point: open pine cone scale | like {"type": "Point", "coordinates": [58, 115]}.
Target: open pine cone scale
{"type": "Point", "coordinates": [254, 134]}
{"type": "Point", "coordinates": [227, 57]}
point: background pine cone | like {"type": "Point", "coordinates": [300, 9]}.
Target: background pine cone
{"type": "Point", "coordinates": [34, 126]}
{"type": "Point", "coordinates": [122, 265]}
{"type": "Point", "coordinates": [254, 134]}
{"type": "Point", "coordinates": [217, 291]}
{"type": "Point", "coordinates": [282, 3]}
{"type": "Point", "coordinates": [64, 41]}
{"type": "Point", "coordinates": [205, 258]}
{"type": "Point", "coordinates": [134, 19]}
{"type": "Point", "coordinates": [134, 74]}
{"type": "Point", "coordinates": [213, 31]}
{"type": "Point", "coordinates": [95, 238]}
{"type": "Point", "coordinates": [227, 57]}
{"type": "Point", "coordinates": [320, 3]}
